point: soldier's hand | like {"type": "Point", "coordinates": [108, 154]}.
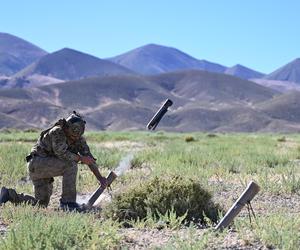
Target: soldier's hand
{"type": "Point", "coordinates": [87, 160]}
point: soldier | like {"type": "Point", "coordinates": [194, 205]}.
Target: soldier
{"type": "Point", "coordinates": [56, 153]}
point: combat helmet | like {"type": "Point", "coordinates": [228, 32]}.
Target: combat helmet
{"type": "Point", "coordinates": [75, 125]}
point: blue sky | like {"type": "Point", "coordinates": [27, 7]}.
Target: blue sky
{"type": "Point", "coordinates": [262, 35]}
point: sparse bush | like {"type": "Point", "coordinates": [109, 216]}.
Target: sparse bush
{"type": "Point", "coordinates": [32, 130]}
{"type": "Point", "coordinates": [290, 181]}
{"type": "Point", "coordinates": [189, 139]}
{"type": "Point", "coordinates": [274, 162]}
{"type": "Point", "coordinates": [136, 163]}
{"type": "Point", "coordinates": [298, 153]}
{"type": "Point", "coordinates": [160, 195]}
{"type": "Point", "coordinates": [211, 135]}
{"type": "Point", "coordinates": [282, 139]}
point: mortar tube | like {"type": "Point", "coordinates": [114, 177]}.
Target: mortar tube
{"type": "Point", "coordinates": [251, 190]}
{"type": "Point", "coordinates": [110, 178]}
{"type": "Point", "coordinates": [159, 114]}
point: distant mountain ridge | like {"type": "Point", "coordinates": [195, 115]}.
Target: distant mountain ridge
{"type": "Point", "coordinates": [16, 53]}
{"type": "Point", "coordinates": [154, 59]}
{"type": "Point", "coordinates": [65, 64]}
{"type": "Point", "coordinates": [243, 72]}
{"type": "Point", "coordinates": [289, 72]}
{"type": "Point", "coordinates": [70, 64]}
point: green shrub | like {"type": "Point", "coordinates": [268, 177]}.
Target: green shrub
{"type": "Point", "coordinates": [183, 196]}
{"type": "Point", "coordinates": [298, 153]}
{"type": "Point", "coordinates": [211, 135]}
{"type": "Point", "coordinates": [189, 139]}
{"type": "Point", "coordinates": [282, 139]}
{"type": "Point", "coordinates": [136, 163]}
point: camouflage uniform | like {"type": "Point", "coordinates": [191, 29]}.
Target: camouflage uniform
{"type": "Point", "coordinates": [53, 155]}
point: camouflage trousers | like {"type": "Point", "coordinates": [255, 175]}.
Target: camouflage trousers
{"type": "Point", "coordinates": [41, 172]}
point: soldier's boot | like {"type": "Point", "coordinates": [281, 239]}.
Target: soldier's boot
{"type": "Point", "coordinates": [8, 194]}
{"type": "Point", "coordinates": [71, 207]}
{"type": "Point", "coordinates": [4, 195]}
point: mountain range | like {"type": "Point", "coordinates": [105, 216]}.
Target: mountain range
{"type": "Point", "coordinates": [65, 64]}
{"type": "Point", "coordinates": [23, 64]}
{"type": "Point", "coordinates": [16, 53]}
{"type": "Point", "coordinates": [289, 72]}
{"type": "Point", "coordinates": [155, 59]}
{"type": "Point", "coordinates": [243, 72]}
{"type": "Point", "coordinates": [123, 92]}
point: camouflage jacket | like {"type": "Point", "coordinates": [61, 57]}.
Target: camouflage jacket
{"type": "Point", "coordinates": [53, 142]}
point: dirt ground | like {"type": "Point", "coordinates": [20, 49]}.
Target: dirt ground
{"type": "Point", "coordinates": [155, 238]}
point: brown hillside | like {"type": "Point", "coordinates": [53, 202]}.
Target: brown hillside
{"type": "Point", "coordinates": [213, 88]}
{"type": "Point", "coordinates": [7, 121]}
{"type": "Point", "coordinates": [239, 119]}
{"type": "Point", "coordinates": [284, 107]}
{"type": "Point", "coordinates": [93, 92]}
{"type": "Point", "coordinates": [202, 102]}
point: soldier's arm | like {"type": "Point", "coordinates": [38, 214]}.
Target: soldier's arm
{"type": "Point", "coordinates": [95, 170]}
{"type": "Point", "coordinates": [85, 151]}
{"type": "Point", "coordinates": [60, 146]}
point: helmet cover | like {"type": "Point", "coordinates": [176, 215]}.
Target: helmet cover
{"type": "Point", "coordinates": [76, 124]}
